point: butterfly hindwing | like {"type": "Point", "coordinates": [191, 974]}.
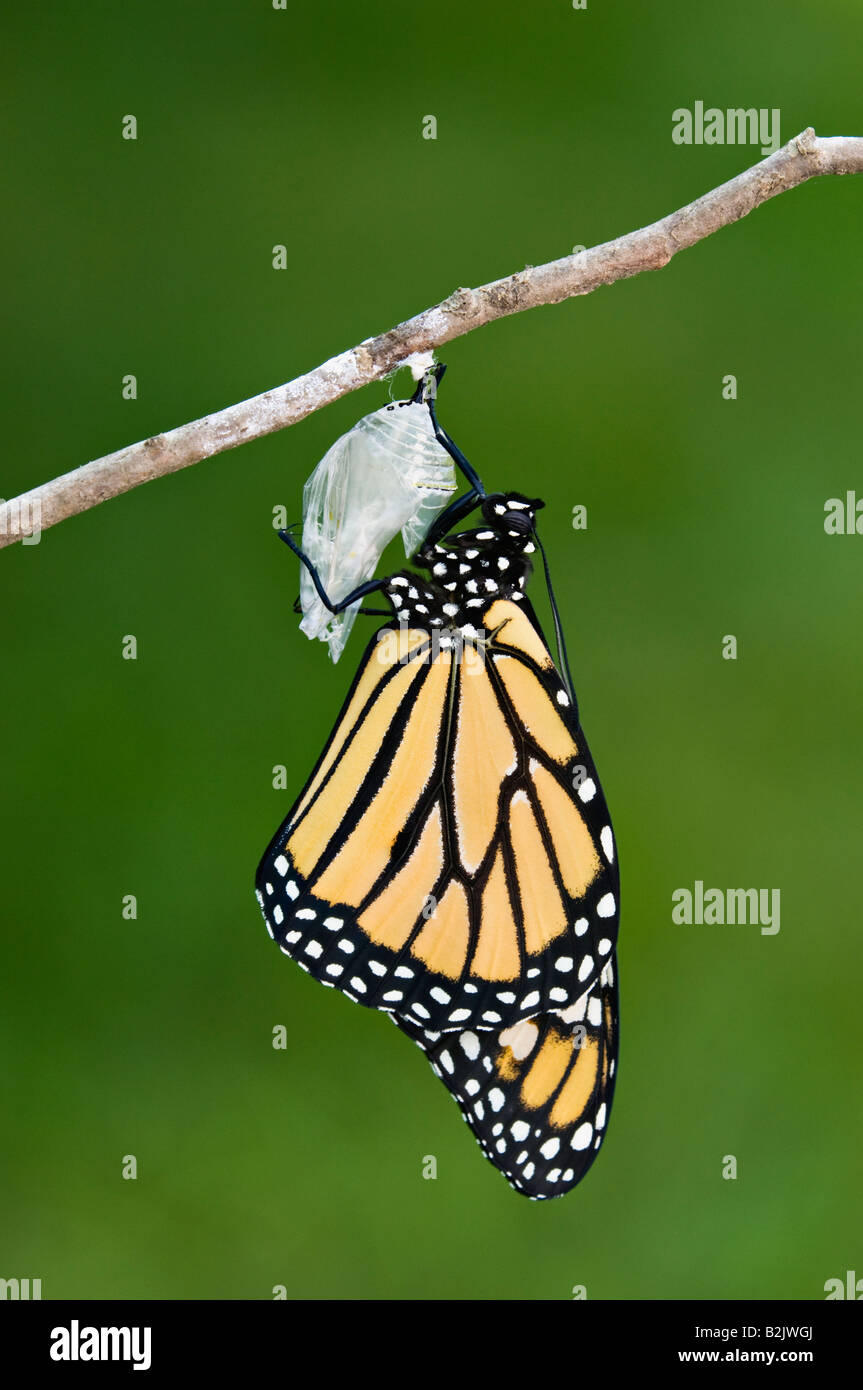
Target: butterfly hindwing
{"type": "Point", "coordinates": [537, 1095]}
{"type": "Point", "coordinates": [451, 858]}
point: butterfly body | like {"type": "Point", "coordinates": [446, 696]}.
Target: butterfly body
{"type": "Point", "coordinates": [489, 561]}
{"type": "Point", "coordinates": [451, 859]}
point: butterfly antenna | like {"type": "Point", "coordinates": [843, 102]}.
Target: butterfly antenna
{"type": "Point", "coordinates": [563, 659]}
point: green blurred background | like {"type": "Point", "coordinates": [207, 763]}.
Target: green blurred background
{"type": "Point", "coordinates": [153, 1037]}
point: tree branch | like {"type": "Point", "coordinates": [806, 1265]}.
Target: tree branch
{"type": "Point", "coordinates": [650, 248]}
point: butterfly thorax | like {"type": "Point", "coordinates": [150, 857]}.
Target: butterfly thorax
{"type": "Point", "coordinates": [469, 570]}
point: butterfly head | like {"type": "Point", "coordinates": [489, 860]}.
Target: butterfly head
{"type": "Point", "coordinates": [512, 515]}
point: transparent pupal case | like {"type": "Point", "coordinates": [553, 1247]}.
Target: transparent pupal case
{"type": "Point", "coordinates": [387, 474]}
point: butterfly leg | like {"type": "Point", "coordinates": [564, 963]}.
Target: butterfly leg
{"type": "Point", "coordinates": [372, 586]}
{"type": "Point", "coordinates": [476, 488]}
{"type": "Point", "coordinates": [426, 393]}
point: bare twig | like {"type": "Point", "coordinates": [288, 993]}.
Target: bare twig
{"type": "Point", "coordinates": [650, 248]}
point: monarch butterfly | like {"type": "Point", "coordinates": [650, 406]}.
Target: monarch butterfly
{"type": "Point", "coordinates": [451, 859]}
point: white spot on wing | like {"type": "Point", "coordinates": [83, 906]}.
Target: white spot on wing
{"type": "Point", "coordinates": [582, 1136]}
{"type": "Point", "coordinates": [520, 1039]}
{"type": "Point", "coordinates": [575, 1012]}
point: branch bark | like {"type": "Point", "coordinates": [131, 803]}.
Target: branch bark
{"type": "Point", "coordinates": [649, 248]}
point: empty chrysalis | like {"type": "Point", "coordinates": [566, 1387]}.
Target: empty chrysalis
{"type": "Point", "coordinates": [389, 473]}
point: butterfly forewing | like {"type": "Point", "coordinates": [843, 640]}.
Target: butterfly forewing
{"type": "Point", "coordinates": [451, 858]}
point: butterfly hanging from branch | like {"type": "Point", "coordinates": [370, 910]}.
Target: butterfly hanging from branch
{"type": "Point", "coordinates": [451, 860]}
